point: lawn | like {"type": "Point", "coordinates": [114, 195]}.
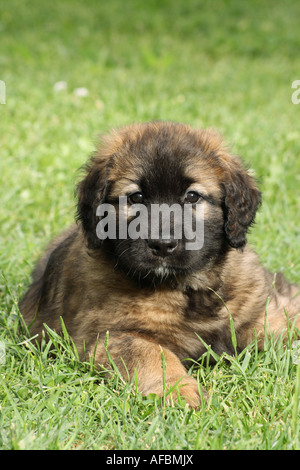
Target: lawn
{"type": "Point", "coordinates": [72, 71]}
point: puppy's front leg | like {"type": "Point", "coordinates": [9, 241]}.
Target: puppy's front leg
{"type": "Point", "coordinates": [132, 353]}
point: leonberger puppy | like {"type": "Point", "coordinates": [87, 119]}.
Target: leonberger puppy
{"type": "Point", "coordinates": [159, 303]}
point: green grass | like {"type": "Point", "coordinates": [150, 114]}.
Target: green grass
{"type": "Point", "coordinates": [222, 64]}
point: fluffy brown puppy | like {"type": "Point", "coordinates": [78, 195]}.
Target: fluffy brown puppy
{"type": "Point", "coordinates": [153, 295]}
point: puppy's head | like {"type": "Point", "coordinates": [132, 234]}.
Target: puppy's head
{"type": "Point", "coordinates": [183, 175]}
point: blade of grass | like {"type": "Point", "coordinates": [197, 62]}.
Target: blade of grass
{"type": "Point", "coordinates": [231, 322]}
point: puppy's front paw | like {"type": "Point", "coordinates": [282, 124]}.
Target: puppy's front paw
{"type": "Point", "coordinates": [187, 387]}
{"type": "Point", "coordinates": [189, 390]}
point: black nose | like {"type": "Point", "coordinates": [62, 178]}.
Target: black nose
{"type": "Point", "coordinates": [162, 247]}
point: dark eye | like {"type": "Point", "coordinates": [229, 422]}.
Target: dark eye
{"type": "Point", "coordinates": [136, 198]}
{"type": "Point", "coordinates": [192, 197]}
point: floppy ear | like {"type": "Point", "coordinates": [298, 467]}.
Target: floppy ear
{"type": "Point", "coordinates": [92, 191]}
{"type": "Point", "coordinates": [241, 201]}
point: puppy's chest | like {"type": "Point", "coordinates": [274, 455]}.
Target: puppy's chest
{"type": "Point", "coordinates": [165, 309]}
{"type": "Point", "coordinates": [176, 320]}
{"type": "Point", "coordinates": [203, 304]}
{"type": "Point", "coordinates": [158, 309]}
